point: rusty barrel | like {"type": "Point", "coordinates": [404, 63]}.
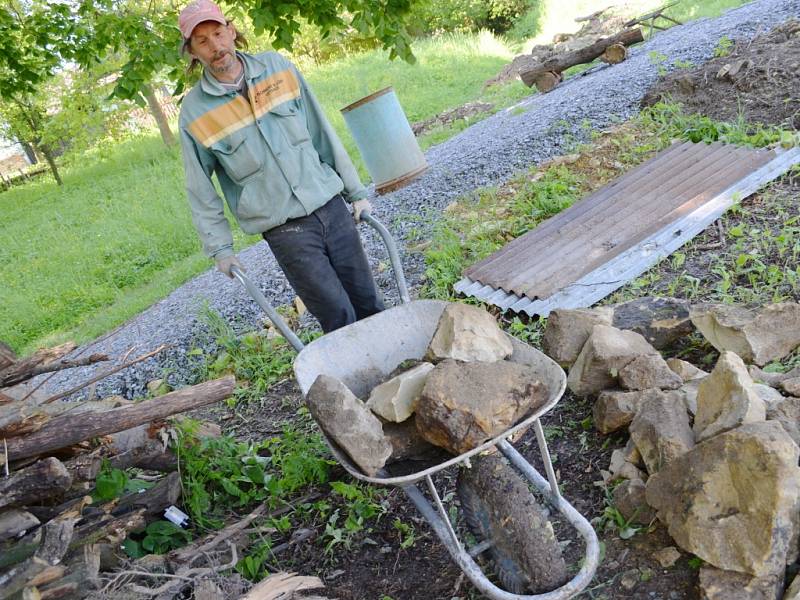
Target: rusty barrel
{"type": "Point", "coordinates": [384, 138]}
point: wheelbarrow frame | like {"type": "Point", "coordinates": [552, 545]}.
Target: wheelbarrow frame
{"type": "Point", "coordinates": [314, 359]}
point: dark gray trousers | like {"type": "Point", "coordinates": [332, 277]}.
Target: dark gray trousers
{"type": "Point", "coordinates": [322, 257]}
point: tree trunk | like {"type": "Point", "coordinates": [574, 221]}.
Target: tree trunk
{"type": "Point", "coordinates": [66, 430]}
{"type": "Point", "coordinates": [561, 62]}
{"type": "Point", "coordinates": [51, 162]}
{"type": "Point", "coordinates": [158, 115]}
{"type": "Point", "coordinates": [17, 370]}
{"type": "Point", "coordinates": [43, 479]}
{"type": "Point", "coordinates": [614, 54]}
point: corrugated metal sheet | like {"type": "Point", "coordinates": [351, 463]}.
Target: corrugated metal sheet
{"type": "Point", "coordinates": [616, 233]}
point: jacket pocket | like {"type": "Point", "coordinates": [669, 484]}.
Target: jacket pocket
{"type": "Point", "coordinates": [236, 156]}
{"type": "Point", "coordinates": [291, 122]}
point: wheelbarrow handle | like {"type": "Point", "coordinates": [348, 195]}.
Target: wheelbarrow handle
{"type": "Point", "coordinates": [276, 318]}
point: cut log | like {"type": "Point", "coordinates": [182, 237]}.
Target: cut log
{"type": "Point", "coordinates": [66, 430]}
{"type": "Point", "coordinates": [15, 523]}
{"type": "Point", "coordinates": [81, 579]}
{"type": "Point", "coordinates": [561, 62]}
{"type": "Point", "coordinates": [614, 54]}
{"type": "Point", "coordinates": [545, 82]}
{"type": "Point", "coordinates": [108, 527]}
{"type": "Point", "coordinates": [15, 551]}
{"type": "Point", "coordinates": [43, 479]}
{"type": "Point", "coordinates": [39, 568]}
{"type": "Point", "coordinates": [154, 500]}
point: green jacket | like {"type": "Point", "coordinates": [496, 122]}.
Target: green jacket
{"type": "Point", "coordinates": [276, 157]}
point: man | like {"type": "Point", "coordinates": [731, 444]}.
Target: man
{"type": "Point", "coordinates": [284, 173]}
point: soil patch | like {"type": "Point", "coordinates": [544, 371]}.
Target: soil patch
{"type": "Point", "coordinates": [757, 80]}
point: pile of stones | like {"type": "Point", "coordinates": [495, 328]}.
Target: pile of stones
{"type": "Point", "coordinates": [713, 456]}
{"type": "Point", "coordinates": [464, 393]}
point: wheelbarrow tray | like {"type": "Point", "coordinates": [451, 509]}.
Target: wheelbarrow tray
{"type": "Point", "coordinates": [363, 354]}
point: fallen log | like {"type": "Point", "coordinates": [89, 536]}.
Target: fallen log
{"type": "Point", "coordinates": [68, 429]}
{"type": "Point", "coordinates": [107, 527]}
{"type": "Point", "coordinates": [18, 369]}
{"type": "Point", "coordinates": [15, 551]}
{"type": "Point", "coordinates": [81, 578]}
{"type": "Point", "coordinates": [43, 479]}
{"type": "Point", "coordinates": [22, 372]}
{"type": "Point", "coordinates": [561, 62]}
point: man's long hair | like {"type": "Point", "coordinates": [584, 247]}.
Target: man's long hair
{"type": "Point", "coordinates": [240, 42]}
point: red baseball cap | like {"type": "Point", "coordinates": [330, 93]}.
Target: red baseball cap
{"type": "Point", "coordinates": [197, 12]}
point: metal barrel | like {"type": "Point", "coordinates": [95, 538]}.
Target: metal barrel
{"type": "Point", "coordinates": [384, 138]}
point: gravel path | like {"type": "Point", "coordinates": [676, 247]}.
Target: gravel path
{"type": "Point", "coordinates": [487, 153]}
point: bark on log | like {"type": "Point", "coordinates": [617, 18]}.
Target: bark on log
{"type": "Point", "coordinates": [40, 357]}
{"type": "Point", "coordinates": [14, 522]}
{"type": "Point", "coordinates": [15, 551]}
{"type": "Point", "coordinates": [108, 527]}
{"type": "Point", "coordinates": [564, 61]}
{"type": "Point", "coordinates": [154, 500]}
{"type": "Point", "coordinates": [614, 54]}
{"type": "Point", "coordinates": [43, 479]}
{"type": "Point", "coordinates": [547, 81]}
{"type": "Point", "coordinates": [82, 576]}
{"type": "Point", "coordinates": [66, 430]}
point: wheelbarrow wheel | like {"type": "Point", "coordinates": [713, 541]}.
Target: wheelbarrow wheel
{"type": "Point", "coordinates": [499, 506]}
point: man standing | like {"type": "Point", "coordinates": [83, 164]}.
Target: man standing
{"type": "Point", "coordinates": [284, 173]}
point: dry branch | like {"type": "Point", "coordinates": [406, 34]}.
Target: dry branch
{"type": "Point", "coordinates": [22, 372]}
{"type": "Point", "coordinates": [7, 356]}
{"type": "Point", "coordinates": [105, 374]}
{"type": "Point", "coordinates": [66, 430]}
{"type": "Point", "coordinates": [25, 365]}
{"type": "Point", "coordinates": [280, 586]}
{"type": "Point", "coordinates": [561, 62]}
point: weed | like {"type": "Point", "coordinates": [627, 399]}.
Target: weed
{"type": "Point", "coordinates": [112, 483]}
{"type": "Point", "coordinates": [361, 505]}
{"type": "Point", "coordinates": [407, 533]}
{"type": "Point", "coordinates": [612, 519]}
{"type": "Point", "coordinates": [723, 47]}
{"type": "Point", "coordinates": [159, 537]}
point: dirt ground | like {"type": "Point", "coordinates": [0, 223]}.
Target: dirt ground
{"type": "Point", "coordinates": [765, 89]}
{"type": "Point", "coordinates": [756, 80]}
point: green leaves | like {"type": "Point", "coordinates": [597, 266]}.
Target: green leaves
{"type": "Point", "coordinates": [159, 537]}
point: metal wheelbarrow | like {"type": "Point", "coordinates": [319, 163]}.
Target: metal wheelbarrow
{"type": "Point", "coordinates": [362, 354]}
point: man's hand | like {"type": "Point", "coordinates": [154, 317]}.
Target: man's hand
{"type": "Point", "coordinates": [361, 206]}
{"type": "Point", "coordinates": [224, 265]}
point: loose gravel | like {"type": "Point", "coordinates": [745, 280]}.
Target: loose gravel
{"type": "Point", "coordinates": [488, 153]}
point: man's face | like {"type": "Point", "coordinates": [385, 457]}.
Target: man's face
{"type": "Point", "coordinates": [213, 45]}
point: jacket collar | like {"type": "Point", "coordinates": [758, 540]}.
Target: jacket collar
{"type": "Point", "coordinates": [253, 67]}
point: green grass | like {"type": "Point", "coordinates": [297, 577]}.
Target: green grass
{"type": "Point", "coordinates": [83, 258]}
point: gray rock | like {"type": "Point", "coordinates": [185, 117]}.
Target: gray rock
{"type": "Point", "coordinates": [620, 468]}
{"type": "Point", "coordinates": [791, 386]}
{"type": "Point", "coordinates": [771, 379]}
{"type": "Point", "coordinates": [395, 400]}
{"type": "Point", "coordinates": [685, 370]}
{"type": "Point", "coordinates": [649, 371]}
{"type": "Point", "coordinates": [661, 430]}
{"type": "Point", "coordinates": [568, 329]}
{"type": "Point", "coordinates": [348, 422]}
{"type": "Point", "coordinates": [787, 413]}
{"type": "Point", "coordinates": [629, 500]}
{"type": "Point", "coordinates": [465, 404]}
{"type": "Point", "coordinates": [661, 321]}
{"type": "Point", "coordinates": [758, 336]}
{"type": "Point", "coordinates": [615, 409]}
{"type": "Point", "coordinates": [716, 584]}
{"type": "Point", "coordinates": [468, 333]}
{"type": "Point", "coordinates": [607, 351]}
{"type": "Point", "coordinates": [726, 399]}
{"type": "Point", "coordinates": [732, 500]}
{"type": "Point", "coordinates": [632, 454]}
{"type": "Point", "coordinates": [688, 392]}
{"type": "Point", "coordinates": [769, 395]}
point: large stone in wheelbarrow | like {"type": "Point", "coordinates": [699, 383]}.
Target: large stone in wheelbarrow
{"type": "Point", "coordinates": [470, 334]}
{"type": "Point", "coordinates": [349, 423]}
{"type": "Point", "coordinates": [465, 404]}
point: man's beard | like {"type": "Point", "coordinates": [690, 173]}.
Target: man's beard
{"type": "Point", "coordinates": [225, 67]}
